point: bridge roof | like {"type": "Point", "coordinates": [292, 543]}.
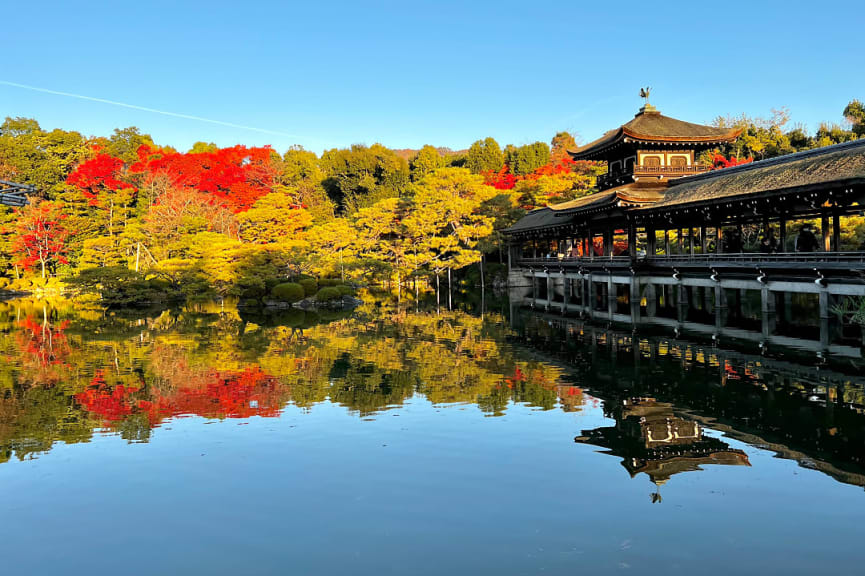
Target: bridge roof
{"type": "Point", "coordinates": [817, 168]}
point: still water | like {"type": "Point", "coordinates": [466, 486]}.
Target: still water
{"type": "Point", "coordinates": [212, 441]}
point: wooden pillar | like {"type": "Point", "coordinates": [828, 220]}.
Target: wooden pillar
{"type": "Point", "coordinates": [767, 311]}
{"type": "Point", "coordinates": [651, 301]}
{"type": "Point", "coordinates": [650, 241]}
{"type": "Point", "coordinates": [741, 234]}
{"type": "Point", "coordinates": [782, 234]}
{"type": "Point", "coordinates": [825, 317]}
{"type": "Point", "coordinates": [608, 242]}
{"type": "Point", "coordinates": [534, 289]}
{"type": "Point", "coordinates": [691, 241]}
{"type": "Point", "coordinates": [611, 297]}
{"type": "Point", "coordinates": [678, 240]}
{"type": "Point", "coordinates": [836, 232]}
{"type": "Point", "coordinates": [788, 307]}
{"type": "Point", "coordinates": [666, 242]}
{"type": "Point", "coordinates": [590, 296]}
{"type": "Point", "coordinates": [704, 244]}
{"type": "Point", "coordinates": [824, 229]}
{"type": "Point", "coordinates": [707, 299]}
{"type": "Point", "coordinates": [681, 302]}
{"type": "Point", "coordinates": [565, 294]}
{"type": "Point", "coordinates": [720, 308]}
{"type": "Point", "coordinates": [549, 291]}
{"type": "Point", "coordinates": [634, 300]}
{"type": "Point", "coordinates": [591, 244]}
{"type": "Point", "coordinates": [632, 240]}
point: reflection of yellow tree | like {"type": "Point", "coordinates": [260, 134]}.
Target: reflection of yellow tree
{"type": "Point", "coordinates": [128, 374]}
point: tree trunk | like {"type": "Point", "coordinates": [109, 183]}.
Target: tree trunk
{"type": "Point", "coordinates": [438, 300]}
{"type": "Point", "coordinates": [450, 291]}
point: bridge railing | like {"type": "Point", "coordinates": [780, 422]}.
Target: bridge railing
{"type": "Point", "coordinates": [745, 258]}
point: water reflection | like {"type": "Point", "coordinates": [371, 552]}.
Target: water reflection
{"type": "Point", "coordinates": [814, 414]}
{"type": "Point", "coordinates": [652, 440]}
{"type": "Point", "coordinates": [67, 373]}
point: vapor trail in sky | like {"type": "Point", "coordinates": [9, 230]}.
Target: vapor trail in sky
{"type": "Point", "coordinates": [145, 109]}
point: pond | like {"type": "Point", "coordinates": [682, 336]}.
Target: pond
{"type": "Point", "coordinates": [208, 440]}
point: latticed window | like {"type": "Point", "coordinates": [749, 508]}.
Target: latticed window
{"type": "Point", "coordinates": [651, 162]}
{"type": "Point", "coordinates": [678, 162]}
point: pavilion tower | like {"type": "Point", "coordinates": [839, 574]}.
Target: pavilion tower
{"type": "Point", "coordinates": [652, 147]}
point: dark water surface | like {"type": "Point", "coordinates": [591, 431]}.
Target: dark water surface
{"type": "Point", "coordinates": [207, 441]}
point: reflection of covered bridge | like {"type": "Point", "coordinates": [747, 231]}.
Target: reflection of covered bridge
{"type": "Point", "coordinates": [760, 251]}
{"type": "Point", "coordinates": [14, 194]}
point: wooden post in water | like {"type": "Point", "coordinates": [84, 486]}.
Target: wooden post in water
{"type": "Point", "coordinates": [825, 334]}
{"type": "Point", "coordinates": [767, 311]}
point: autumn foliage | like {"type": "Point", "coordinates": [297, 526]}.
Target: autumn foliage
{"type": "Point", "coordinates": [98, 175]}
{"type": "Point", "coordinates": [40, 236]}
{"type": "Point", "coordinates": [720, 161]}
{"type": "Point", "coordinates": [235, 176]}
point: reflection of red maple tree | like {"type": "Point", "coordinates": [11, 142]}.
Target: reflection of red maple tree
{"type": "Point", "coordinates": [250, 392]}
{"type": "Point", "coordinates": [43, 348]}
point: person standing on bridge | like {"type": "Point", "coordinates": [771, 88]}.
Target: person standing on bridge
{"type": "Point", "coordinates": [806, 241]}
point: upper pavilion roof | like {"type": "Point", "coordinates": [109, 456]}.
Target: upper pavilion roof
{"type": "Point", "coordinates": [650, 126]}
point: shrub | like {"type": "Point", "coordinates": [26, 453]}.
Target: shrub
{"type": "Point", "coordinates": [345, 290]}
{"type": "Point", "coordinates": [310, 286]}
{"type": "Point", "coordinates": [329, 282]}
{"type": "Point", "coordinates": [288, 292]}
{"type": "Point", "coordinates": [328, 294]}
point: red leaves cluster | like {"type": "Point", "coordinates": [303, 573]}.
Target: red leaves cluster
{"type": "Point", "coordinates": [501, 180]}
{"type": "Point", "coordinates": [97, 175]}
{"type": "Point", "coordinates": [237, 176]}
{"type": "Point", "coordinates": [720, 161]}
{"type": "Point", "coordinates": [504, 180]}
{"type": "Point", "coordinates": [250, 392]}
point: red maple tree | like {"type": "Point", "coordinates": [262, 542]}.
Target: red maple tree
{"type": "Point", "coordinates": [39, 236]}
{"type": "Point", "coordinates": [235, 176]}
{"type": "Point", "coordinates": [720, 161]}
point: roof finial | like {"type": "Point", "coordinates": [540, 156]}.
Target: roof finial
{"type": "Point", "coordinates": [644, 93]}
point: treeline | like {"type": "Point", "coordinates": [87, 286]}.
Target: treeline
{"type": "Point", "coordinates": [133, 221]}
{"type": "Point", "coordinates": [776, 135]}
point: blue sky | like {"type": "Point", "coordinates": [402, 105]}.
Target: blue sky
{"type": "Point", "coordinates": [330, 74]}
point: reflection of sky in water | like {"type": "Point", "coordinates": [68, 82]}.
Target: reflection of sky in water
{"type": "Point", "coordinates": [373, 477]}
